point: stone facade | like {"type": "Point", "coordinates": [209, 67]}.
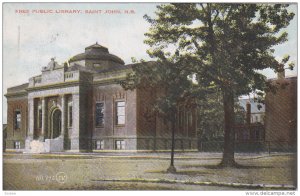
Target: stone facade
{"type": "Point", "coordinates": [80, 106]}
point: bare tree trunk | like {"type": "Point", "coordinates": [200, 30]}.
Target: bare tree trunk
{"type": "Point", "coordinates": [229, 136]}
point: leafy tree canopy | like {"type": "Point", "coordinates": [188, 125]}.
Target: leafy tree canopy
{"type": "Point", "coordinates": [222, 43]}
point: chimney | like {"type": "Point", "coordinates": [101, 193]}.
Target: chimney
{"type": "Point", "coordinates": [248, 116]}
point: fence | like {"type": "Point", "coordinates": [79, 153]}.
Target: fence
{"type": "Point", "coordinates": [249, 146]}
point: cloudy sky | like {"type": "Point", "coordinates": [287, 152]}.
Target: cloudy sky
{"type": "Point", "coordinates": [31, 39]}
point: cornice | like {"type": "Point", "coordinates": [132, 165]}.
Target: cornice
{"type": "Point", "coordinates": [55, 85]}
{"type": "Point", "coordinates": [16, 94]}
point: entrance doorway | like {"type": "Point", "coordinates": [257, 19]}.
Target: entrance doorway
{"type": "Point", "coordinates": [55, 123]}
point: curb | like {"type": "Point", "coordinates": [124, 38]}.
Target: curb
{"type": "Point", "coordinates": [95, 156]}
{"type": "Point", "coordinates": [224, 184]}
{"type": "Point", "coordinates": [53, 156]}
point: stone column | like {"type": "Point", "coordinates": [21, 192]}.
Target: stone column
{"type": "Point", "coordinates": [30, 124]}
{"type": "Point", "coordinates": [63, 115]}
{"type": "Point", "coordinates": [44, 118]}
{"type": "Point", "coordinates": [76, 122]}
{"type": "Point", "coordinates": [30, 118]}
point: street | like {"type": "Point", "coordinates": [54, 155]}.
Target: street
{"type": "Point", "coordinates": [138, 171]}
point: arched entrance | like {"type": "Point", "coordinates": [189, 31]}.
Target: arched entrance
{"type": "Point", "coordinates": [55, 123]}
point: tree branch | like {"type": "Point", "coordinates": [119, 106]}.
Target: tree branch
{"type": "Point", "coordinates": [201, 4]}
{"type": "Point", "coordinates": [216, 16]}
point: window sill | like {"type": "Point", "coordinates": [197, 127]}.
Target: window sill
{"type": "Point", "coordinates": [123, 125]}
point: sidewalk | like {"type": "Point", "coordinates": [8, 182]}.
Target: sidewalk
{"type": "Point", "coordinates": [142, 155]}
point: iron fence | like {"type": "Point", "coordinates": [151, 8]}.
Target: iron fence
{"type": "Point", "coordinates": [249, 146]}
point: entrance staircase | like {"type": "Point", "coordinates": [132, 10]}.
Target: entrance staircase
{"type": "Point", "coordinates": [49, 145]}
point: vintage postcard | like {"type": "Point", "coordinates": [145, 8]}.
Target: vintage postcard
{"type": "Point", "coordinates": [150, 96]}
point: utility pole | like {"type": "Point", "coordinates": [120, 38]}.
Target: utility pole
{"type": "Point", "coordinates": [172, 168]}
{"type": "Point", "coordinates": [19, 39]}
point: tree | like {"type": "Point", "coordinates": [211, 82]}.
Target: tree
{"type": "Point", "coordinates": [170, 80]}
{"type": "Point", "coordinates": [211, 117]}
{"type": "Point", "coordinates": [223, 45]}
{"type": "Point", "coordinates": [211, 109]}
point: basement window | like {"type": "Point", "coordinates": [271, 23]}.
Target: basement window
{"type": "Point", "coordinates": [17, 144]}
{"type": "Point", "coordinates": [100, 144]}
{"type": "Point", "coordinates": [120, 145]}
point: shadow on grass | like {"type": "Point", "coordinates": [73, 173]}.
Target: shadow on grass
{"type": "Point", "coordinates": [236, 166]}
{"type": "Point", "coordinates": [182, 172]}
{"type": "Point", "coordinates": [239, 166]}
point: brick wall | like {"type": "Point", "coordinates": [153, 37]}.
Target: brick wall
{"type": "Point", "coordinates": [154, 133]}
{"type": "Point", "coordinates": [109, 94]}
{"type": "Point", "coordinates": [14, 134]}
{"type": "Point", "coordinates": [281, 113]}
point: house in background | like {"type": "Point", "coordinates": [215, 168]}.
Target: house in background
{"type": "Point", "coordinates": [256, 115]}
{"type": "Point", "coordinates": [80, 106]}
{"type": "Point", "coordinates": [251, 127]}
{"type": "Point", "coordinates": [274, 126]}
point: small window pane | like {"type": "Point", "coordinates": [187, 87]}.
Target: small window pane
{"type": "Point", "coordinates": [17, 120]}
{"type": "Point", "coordinates": [17, 144]}
{"type": "Point", "coordinates": [190, 118]}
{"type": "Point", "coordinates": [99, 114]}
{"type": "Point", "coordinates": [40, 118]}
{"type": "Point", "coordinates": [121, 110]}
{"type": "Point", "coordinates": [70, 115]}
{"type": "Point", "coordinates": [121, 120]}
{"type": "Point", "coordinates": [100, 144]}
{"type": "Point", "coordinates": [120, 144]}
{"type": "Point", "coordinates": [120, 114]}
{"type": "Point", "coordinates": [121, 103]}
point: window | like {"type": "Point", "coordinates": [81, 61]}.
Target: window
{"type": "Point", "coordinates": [17, 119]}
{"type": "Point", "coordinates": [256, 119]}
{"type": "Point", "coordinates": [40, 117]}
{"type": "Point", "coordinates": [120, 145]}
{"type": "Point", "coordinates": [17, 144]}
{"type": "Point", "coordinates": [190, 119]}
{"type": "Point", "coordinates": [70, 114]}
{"type": "Point", "coordinates": [181, 118]}
{"type": "Point", "coordinates": [100, 144]}
{"type": "Point", "coordinates": [99, 114]}
{"type": "Point", "coordinates": [120, 118]}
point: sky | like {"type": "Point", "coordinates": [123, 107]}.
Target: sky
{"type": "Point", "coordinates": [32, 36]}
